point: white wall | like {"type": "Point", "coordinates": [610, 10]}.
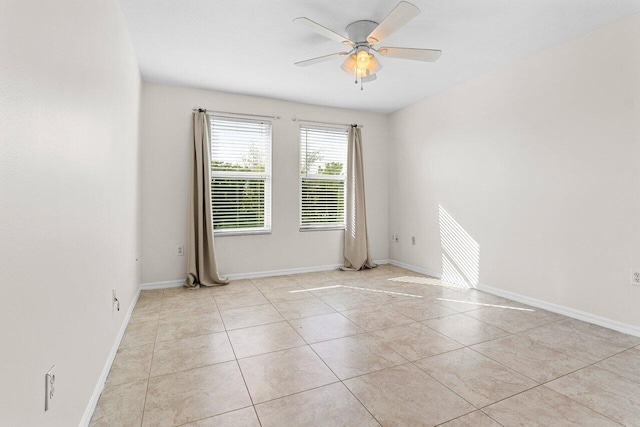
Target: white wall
{"type": "Point", "coordinates": [166, 167]}
{"type": "Point", "coordinates": [538, 163]}
{"type": "Point", "coordinates": [69, 100]}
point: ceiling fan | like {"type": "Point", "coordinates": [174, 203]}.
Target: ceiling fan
{"type": "Point", "coordinates": [364, 36]}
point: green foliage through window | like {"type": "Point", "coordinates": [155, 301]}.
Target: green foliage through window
{"type": "Point", "coordinates": [240, 174]}
{"type": "Point", "coordinates": [239, 203]}
{"type": "Point", "coordinates": [323, 158]}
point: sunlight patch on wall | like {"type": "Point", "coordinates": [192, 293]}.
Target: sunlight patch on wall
{"type": "Point", "coordinates": [450, 273]}
{"type": "Point", "coordinates": [460, 252]}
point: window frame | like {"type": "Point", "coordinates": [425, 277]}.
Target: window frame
{"type": "Point", "coordinates": [330, 226]}
{"type": "Point", "coordinates": [267, 176]}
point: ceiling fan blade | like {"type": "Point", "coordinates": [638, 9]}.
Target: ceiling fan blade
{"type": "Point", "coordinates": [400, 15]}
{"type": "Point", "coordinates": [323, 31]}
{"type": "Point", "coordinates": [426, 55]}
{"type": "Point", "coordinates": [319, 59]}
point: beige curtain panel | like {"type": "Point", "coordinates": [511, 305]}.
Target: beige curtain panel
{"type": "Point", "coordinates": [201, 260]}
{"type": "Point", "coordinates": [356, 243]}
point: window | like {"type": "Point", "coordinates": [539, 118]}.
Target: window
{"type": "Point", "coordinates": [323, 161]}
{"type": "Point", "coordinates": [240, 175]}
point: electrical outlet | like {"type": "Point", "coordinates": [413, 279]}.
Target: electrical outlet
{"type": "Point", "coordinates": [635, 277]}
{"type": "Point", "coordinates": [180, 250]}
{"type": "Point", "coordinates": [413, 240]}
{"type": "Point", "coordinates": [49, 388]}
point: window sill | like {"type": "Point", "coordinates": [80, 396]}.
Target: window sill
{"type": "Point", "coordinates": [240, 233]}
{"type": "Point", "coordinates": [323, 228]}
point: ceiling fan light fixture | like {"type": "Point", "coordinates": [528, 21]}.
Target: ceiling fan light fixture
{"type": "Point", "coordinates": [354, 66]}
{"type": "Point", "coordinates": [349, 64]}
{"type": "Point", "coordinates": [374, 65]}
{"type": "Point", "coordinates": [363, 59]}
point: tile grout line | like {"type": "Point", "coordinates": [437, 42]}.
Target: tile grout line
{"type": "Point", "coordinates": [580, 333]}
{"type": "Point", "coordinates": [464, 415]}
{"type": "Point", "coordinates": [548, 348]}
{"type": "Point", "coordinates": [609, 357]}
{"type": "Point", "coordinates": [360, 402]}
{"type": "Point", "coordinates": [212, 364]}
{"type": "Point", "coordinates": [543, 385]}
{"type": "Point", "coordinates": [328, 367]}
{"type": "Point", "coordinates": [196, 335]}
{"type": "Point", "coordinates": [503, 365]}
{"type": "Point", "coordinates": [489, 415]}
{"type": "Point", "coordinates": [298, 392]}
{"type": "Point", "coordinates": [585, 367]}
{"type": "Point", "coordinates": [307, 345]}
{"type": "Point", "coordinates": [146, 394]}
{"type": "Point", "coordinates": [507, 333]}
{"type": "Point", "coordinates": [237, 363]}
{"type": "Point", "coordinates": [213, 416]}
{"type": "Point", "coordinates": [340, 379]}
{"type": "Point", "coordinates": [445, 386]}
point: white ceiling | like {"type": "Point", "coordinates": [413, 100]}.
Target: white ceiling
{"type": "Point", "coordinates": [249, 46]}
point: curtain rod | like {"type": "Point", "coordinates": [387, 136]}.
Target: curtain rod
{"type": "Point", "coordinates": [296, 119]}
{"type": "Point", "coordinates": [204, 110]}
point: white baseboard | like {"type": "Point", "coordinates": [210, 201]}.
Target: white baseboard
{"type": "Point", "coordinates": [91, 407]}
{"type": "Point", "coordinates": [555, 308]}
{"type": "Point", "coordinates": [566, 311]}
{"type": "Point", "coordinates": [287, 271]}
{"type": "Point", "coordinates": [254, 275]}
{"type": "Point", "coordinates": [161, 285]}
{"type": "Point", "coordinates": [414, 268]}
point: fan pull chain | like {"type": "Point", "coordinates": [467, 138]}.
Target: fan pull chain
{"type": "Point", "coordinates": [355, 73]}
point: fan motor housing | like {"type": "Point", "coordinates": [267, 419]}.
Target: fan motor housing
{"type": "Point", "coordinates": [359, 30]}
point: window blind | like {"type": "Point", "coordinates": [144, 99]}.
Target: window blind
{"type": "Point", "coordinates": [323, 161]}
{"type": "Point", "coordinates": [240, 175]}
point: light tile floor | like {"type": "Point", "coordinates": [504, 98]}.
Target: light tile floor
{"type": "Point", "coordinates": [380, 347]}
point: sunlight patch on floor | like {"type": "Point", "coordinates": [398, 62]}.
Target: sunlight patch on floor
{"type": "Point", "coordinates": [315, 289]}
{"type": "Point", "coordinates": [485, 305]}
{"type": "Point", "coordinates": [357, 289]}
{"type": "Point", "coordinates": [427, 281]}
{"type": "Point", "coordinates": [384, 292]}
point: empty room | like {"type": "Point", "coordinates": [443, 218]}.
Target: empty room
{"type": "Point", "coordinates": [319, 213]}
